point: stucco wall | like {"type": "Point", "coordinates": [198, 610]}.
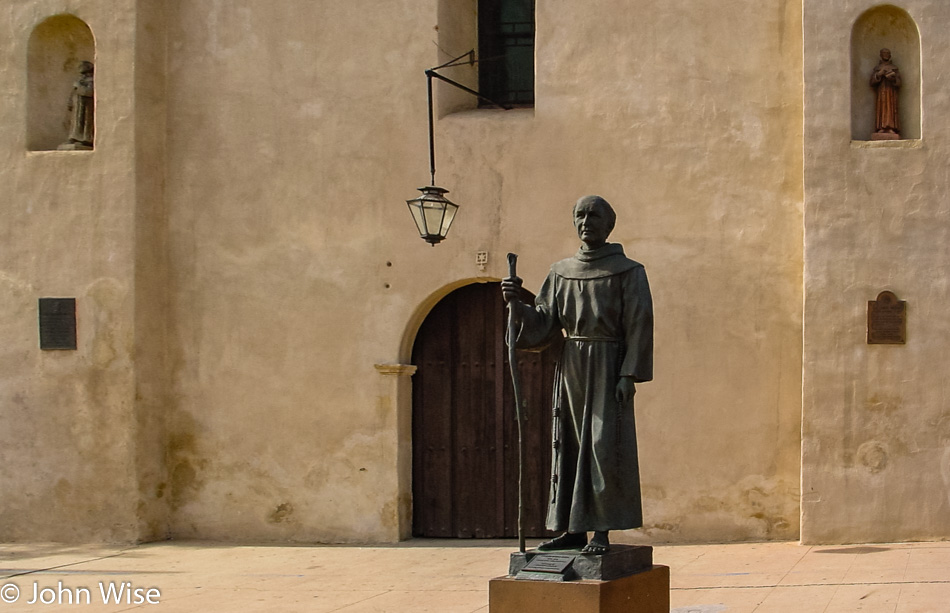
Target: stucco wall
{"type": "Point", "coordinates": [876, 433]}
{"type": "Point", "coordinates": [245, 267]}
{"type": "Point", "coordinates": [297, 129]}
{"type": "Point", "coordinates": [71, 429]}
{"type": "Point", "coordinates": [290, 127]}
{"type": "Point", "coordinates": [151, 273]}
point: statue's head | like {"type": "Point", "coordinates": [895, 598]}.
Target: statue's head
{"type": "Point", "coordinates": [86, 68]}
{"type": "Point", "coordinates": [886, 55]}
{"type": "Point", "coordinates": [594, 219]}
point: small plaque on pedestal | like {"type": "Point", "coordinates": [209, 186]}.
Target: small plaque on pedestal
{"type": "Point", "coordinates": [619, 561]}
{"type": "Point", "coordinates": [548, 567]}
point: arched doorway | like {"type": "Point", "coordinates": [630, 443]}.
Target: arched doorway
{"type": "Point", "coordinates": [464, 429]}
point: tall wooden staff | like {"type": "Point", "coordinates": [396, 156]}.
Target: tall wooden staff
{"type": "Point", "coordinates": [519, 408]}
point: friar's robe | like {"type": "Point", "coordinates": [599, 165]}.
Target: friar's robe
{"type": "Point", "coordinates": [601, 300]}
{"type": "Point", "coordinates": [82, 106]}
{"type": "Point", "coordinates": [885, 108]}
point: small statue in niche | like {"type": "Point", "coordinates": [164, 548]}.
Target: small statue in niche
{"type": "Point", "coordinates": [82, 111]}
{"type": "Point", "coordinates": [886, 80]}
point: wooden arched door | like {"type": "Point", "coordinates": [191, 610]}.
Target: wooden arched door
{"type": "Point", "coordinates": [464, 429]}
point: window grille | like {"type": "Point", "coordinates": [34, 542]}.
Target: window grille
{"type": "Point", "coordinates": [506, 50]}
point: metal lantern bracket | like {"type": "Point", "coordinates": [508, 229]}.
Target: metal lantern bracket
{"type": "Point", "coordinates": [432, 212]}
{"type": "Point", "coordinates": [465, 58]}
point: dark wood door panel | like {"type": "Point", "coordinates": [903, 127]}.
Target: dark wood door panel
{"type": "Point", "coordinates": [465, 445]}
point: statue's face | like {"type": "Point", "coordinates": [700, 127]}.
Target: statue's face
{"type": "Point", "coordinates": [592, 224]}
{"type": "Point", "coordinates": [886, 55]}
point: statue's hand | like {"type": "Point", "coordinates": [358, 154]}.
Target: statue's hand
{"type": "Point", "coordinates": [625, 391]}
{"type": "Point", "coordinates": [511, 289]}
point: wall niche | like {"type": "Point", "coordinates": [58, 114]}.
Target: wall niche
{"type": "Point", "coordinates": [57, 48]}
{"type": "Point", "coordinates": [458, 25]}
{"type": "Point", "coordinates": [885, 27]}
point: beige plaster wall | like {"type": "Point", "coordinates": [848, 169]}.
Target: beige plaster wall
{"type": "Point", "coordinates": [71, 427]}
{"type": "Point", "coordinates": [151, 272]}
{"type": "Point", "coordinates": [289, 127]}
{"type": "Point", "coordinates": [876, 433]}
{"type": "Point", "coordinates": [296, 129]}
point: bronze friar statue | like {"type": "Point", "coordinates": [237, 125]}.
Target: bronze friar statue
{"type": "Point", "coordinates": [886, 80]}
{"type": "Point", "coordinates": [82, 113]}
{"type": "Point", "coordinates": [601, 301]}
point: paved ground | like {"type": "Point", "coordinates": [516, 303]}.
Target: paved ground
{"type": "Point", "coordinates": [438, 576]}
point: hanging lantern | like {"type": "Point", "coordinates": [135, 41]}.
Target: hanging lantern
{"type": "Point", "coordinates": [433, 213]}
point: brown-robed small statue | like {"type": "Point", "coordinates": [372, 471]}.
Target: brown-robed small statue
{"type": "Point", "coordinates": [601, 300]}
{"type": "Point", "coordinates": [886, 80]}
{"type": "Point", "coordinates": [82, 111]}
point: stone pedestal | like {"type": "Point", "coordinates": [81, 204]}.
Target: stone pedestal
{"type": "Point", "coordinates": [644, 592]}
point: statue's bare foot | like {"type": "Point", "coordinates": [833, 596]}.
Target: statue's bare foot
{"type": "Point", "coordinates": [567, 540]}
{"type": "Point", "coordinates": [600, 544]}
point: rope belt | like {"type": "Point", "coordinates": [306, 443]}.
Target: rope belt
{"type": "Point", "coordinates": [595, 339]}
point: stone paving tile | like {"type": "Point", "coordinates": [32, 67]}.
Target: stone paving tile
{"type": "Point", "coordinates": [815, 569]}
{"type": "Point", "coordinates": [18, 557]}
{"type": "Point", "coordinates": [924, 598]}
{"type": "Point", "coordinates": [877, 598]}
{"type": "Point", "coordinates": [422, 602]}
{"type": "Point", "coordinates": [929, 564]}
{"type": "Point", "coordinates": [718, 600]}
{"type": "Point", "coordinates": [256, 600]}
{"type": "Point", "coordinates": [764, 564]}
{"type": "Point", "coordinates": [797, 599]}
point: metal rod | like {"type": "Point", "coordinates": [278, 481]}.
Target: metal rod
{"type": "Point", "coordinates": [431, 129]}
{"type": "Point", "coordinates": [519, 409]}
{"type": "Point", "coordinates": [469, 54]}
{"type": "Point", "coordinates": [432, 73]}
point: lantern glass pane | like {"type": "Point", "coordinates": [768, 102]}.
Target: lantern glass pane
{"type": "Point", "coordinates": [434, 213]}
{"type": "Point", "coordinates": [415, 207]}
{"type": "Point", "coordinates": [450, 211]}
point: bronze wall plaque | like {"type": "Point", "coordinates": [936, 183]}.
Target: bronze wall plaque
{"type": "Point", "coordinates": [887, 320]}
{"type": "Point", "coordinates": [57, 323]}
